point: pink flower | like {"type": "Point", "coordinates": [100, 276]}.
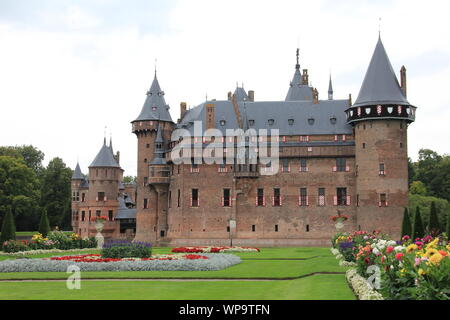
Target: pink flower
{"type": "Point", "coordinates": [406, 238]}
{"type": "Point", "coordinates": [399, 256]}
{"type": "Point", "coordinates": [417, 261]}
{"type": "Point", "coordinates": [389, 249]}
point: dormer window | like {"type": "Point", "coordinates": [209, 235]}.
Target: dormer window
{"type": "Point", "coordinates": [311, 121]}
{"type": "Point", "coordinates": [291, 122]}
{"type": "Point", "coordinates": [271, 122]}
{"type": "Point", "coordinates": [154, 108]}
{"type": "Point", "coordinates": [251, 123]}
{"type": "Point", "coordinates": [222, 122]}
{"type": "Point", "coordinates": [333, 120]}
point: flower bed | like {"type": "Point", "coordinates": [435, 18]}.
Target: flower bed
{"type": "Point", "coordinates": [408, 269]}
{"type": "Point", "coordinates": [34, 252]}
{"type": "Point", "coordinates": [200, 249]}
{"type": "Point", "coordinates": [186, 262]}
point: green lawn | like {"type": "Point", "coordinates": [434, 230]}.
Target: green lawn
{"type": "Point", "coordinates": [303, 267]}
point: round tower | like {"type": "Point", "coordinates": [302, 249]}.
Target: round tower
{"type": "Point", "coordinates": [105, 175]}
{"type": "Point", "coordinates": [153, 121]}
{"type": "Point", "coordinates": [380, 117]}
{"type": "Point", "coordinates": [76, 185]}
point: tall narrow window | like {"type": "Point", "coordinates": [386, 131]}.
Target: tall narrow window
{"type": "Point", "coordinates": [303, 200]}
{"type": "Point", "coordinates": [286, 167]}
{"type": "Point", "coordinates": [194, 198]}
{"type": "Point", "coordinates": [98, 213]}
{"type": "Point", "coordinates": [101, 196]}
{"type": "Point", "coordinates": [226, 199]}
{"type": "Point", "coordinates": [382, 171]}
{"type": "Point", "coordinates": [303, 165]}
{"type": "Point", "coordinates": [321, 198]}
{"type": "Point", "coordinates": [341, 165]}
{"type": "Point", "coordinates": [145, 203]}
{"type": "Point", "coordinates": [83, 215]}
{"type": "Point", "coordinates": [260, 199]}
{"type": "Point", "coordinates": [195, 168]}
{"type": "Point", "coordinates": [276, 228]}
{"type": "Point", "coordinates": [170, 198]}
{"type": "Point", "coordinates": [179, 198]}
{"type": "Point", "coordinates": [83, 197]}
{"type": "Point", "coordinates": [341, 196]}
{"type": "Point", "coordinates": [383, 200]}
{"type": "Point", "coordinates": [276, 201]}
{"type": "Point", "coordinates": [110, 215]}
{"type": "Point", "coordinates": [253, 228]}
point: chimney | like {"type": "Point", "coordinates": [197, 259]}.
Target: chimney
{"type": "Point", "coordinates": [210, 116]}
{"type": "Point", "coordinates": [350, 102]}
{"type": "Point", "coordinates": [229, 96]}
{"type": "Point", "coordinates": [251, 95]}
{"type": "Point", "coordinates": [183, 107]}
{"type": "Point", "coordinates": [305, 77]}
{"type": "Point", "coordinates": [117, 157]}
{"type": "Point", "coordinates": [315, 96]}
{"type": "Point", "coordinates": [403, 80]}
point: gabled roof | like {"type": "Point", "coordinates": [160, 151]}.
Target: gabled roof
{"type": "Point", "coordinates": [77, 174]}
{"type": "Point", "coordinates": [155, 107]}
{"type": "Point", "coordinates": [380, 84]}
{"type": "Point", "coordinates": [241, 95]}
{"type": "Point", "coordinates": [105, 158]}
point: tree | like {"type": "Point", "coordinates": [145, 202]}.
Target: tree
{"type": "Point", "coordinates": [448, 226]}
{"type": "Point", "coordinates": [424, 203]}
{"type": "Point", "coordinates": [411, 171]}
{"type": "Point", "coordinates": [18, 187]}
{"type": "Point", "coordinates": [406, 225]}
{"type": "Point", "coordinates": [55, 192]}
{"type": "Point", "coordinates": [44, 226]}
{"type": "Point", "coordinates": [418, 230]}
{"type": "Point", "coordinates": [433, 225]}
{"type": "Point", "coordinates": [440, 180]}
{"type": "Point", "coordinates": [418, 187]}
{"type": "Point", "coordinates": [129, 179]}
{"type": "Point", "coordinates": [8, 227]}
{"type": "Point", "coordinates": [32, 156]}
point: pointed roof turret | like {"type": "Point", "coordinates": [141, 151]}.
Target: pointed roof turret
{"type": "Point", "coordinates": [241, 94]}
{"type": "Point", "coordinates": [155, 107]}
{"type": "Point", "coordinates": [330, 90]}
{"type": "Point", "coordinates": [105, 158]}
{"type": "Point", "coordinates": [77, 174]}
{"type": "Point", "coordinates": [380, 86]}
{"type": "Point", "coordinates": [298, 90]}
{"type": "Point", "coordinates": [159, 148]}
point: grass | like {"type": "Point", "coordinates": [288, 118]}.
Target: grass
{"type": "Point", "coordinates": [302, 268]}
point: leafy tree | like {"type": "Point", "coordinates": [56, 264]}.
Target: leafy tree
{"type": "Point", "coordinates": [8, 227]}
{"type": "Point", "coordinates": [411, 171]}
{"type": "Point", "coordinates": [406, 225]}
{"type": "Point", "coordinates": [433, 225]}
{"type": "Point", "coordinates": [44, 226]}
{"type": "Point", "coordinates": [418, 187]}
{"type": "Point", "coordinates": [55, 192]}
{"type": "Point", "coordinates": [424, 203]}
{"type": "Point", "coordinates": [440, 181]}
{"type": "Point", "coordinates": [32, 156]}
{"type": "Point", "coordinates": [18, 186]}
{"type": "Point", "coordinates": [129, 179]}
{"type": "Point", "coordinates": [418, 230]}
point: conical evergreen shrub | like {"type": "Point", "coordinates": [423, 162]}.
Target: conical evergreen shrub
{"type": "Point", "coordinates": [433, 225]}
{"type": "Point", "coordinates": [448, 226]}
{"type": "Point", "coordinates": [406, 224]}
{"type": "Point", "coordinates": [418, 230]}
{"type": "Point", "coordinates": [44, 225]}
{"type": "Point", "coordinates": [8, 228]}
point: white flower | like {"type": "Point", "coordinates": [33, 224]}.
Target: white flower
{"type": "Point", "coordinates": [399, 248]}
{"type": "Point", "coordinates": [376, 251]}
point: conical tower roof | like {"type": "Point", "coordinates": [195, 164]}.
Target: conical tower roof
{"type": "Point", "coordinates": [297, 90]}
{"type": "Point", "coordinates": [77, 174]}
{"type": "Point", "coordinates": [155, 107]}
{"type": "Point", "coordinates": [380, 86]}
{"type": "Point", "coordinates": [105, 158]}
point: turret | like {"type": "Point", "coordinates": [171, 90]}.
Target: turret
{"type": "Point", "coordinates": [299, 89]}
{"type": "Point", "coordinates": [380, 116]}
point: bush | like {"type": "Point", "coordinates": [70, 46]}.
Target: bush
{"type": "Point", "coordinates": [8, 228]}
{"type": "Point", "coordinates": [433, 225]}
{"type": "Point", "coordinates": [44, 226]}
{"type": "Point", "coordinates": [123, 249]}
{"type": "Point", "coordinates": [406, 224]}
{"type": "Point", "coordinates": [14, 246]}
{"type": "Point", "coordinates": [418, 230]}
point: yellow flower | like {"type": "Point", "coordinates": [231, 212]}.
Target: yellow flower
{"type": "Point", "coordinates": [421, 272]}
{"type": "Point", "coordinates": [433, 244]}
{"type": "Point", "coordinates": [411, 248]}
{"type": "Point", "coordinates": [431, 252]}
{"type": "Point", "coordinates": [436, 258]}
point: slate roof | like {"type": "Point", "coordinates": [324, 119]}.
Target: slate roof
{"type": "Point", "coordinates": [380, 86]}
{"type": "Point", "coordinates": [302, 112]}
{"type": "Point", "coordinates": [155, 107]}
{"type": "Point", "coordinates": [105, 158]}
{"type": "Point", "coordinates": [77, 174]}
{"type": "Point", "coordinates": [124, 212]}
{"type": "Point", "coordinates": [241, 94]}
{"type": "Point", "coordinates": [297, 91]}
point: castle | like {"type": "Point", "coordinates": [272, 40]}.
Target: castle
{"type": "Point", "coordinates": [332, 156]}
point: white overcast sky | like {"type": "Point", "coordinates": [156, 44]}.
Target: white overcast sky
{"type": "Point", "coordinates": [68, 68]}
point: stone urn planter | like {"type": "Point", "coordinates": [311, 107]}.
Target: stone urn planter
{"type": "Point", "coordinates": [99, 224]}
{"type": "Point", "coordinates": [339, 221]}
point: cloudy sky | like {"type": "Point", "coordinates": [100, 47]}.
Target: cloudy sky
{"type": "Point", "coordinates": [68, 68]}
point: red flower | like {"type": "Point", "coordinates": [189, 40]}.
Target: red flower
{"type": "Point", "coordinates": [399, 256]}
{"type": "Point", "coordinates": [389, 249]}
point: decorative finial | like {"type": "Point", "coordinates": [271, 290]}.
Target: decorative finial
{"type": "Point", "coordinates": [104, 137]}
{"type": "Point", "coordinates": [156, 60]}
{"type": "Point", "coordinates": [298, 55]}
{"type": "Point", "coordinates": [379, 27]}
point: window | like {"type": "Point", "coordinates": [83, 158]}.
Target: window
{"type": "Point", "coordinates": [276, 228]}
{"type": "Point", "coordinates": [253, 228]}
{"type": "Point", "coordinates": [222, 168]}
{"type": "Point", "coordinates": [178, 169]}
{"type": "Point", "coordinates": [291, 122]}
{"type": "Point", "coordinates": [89, 215]}
{"type": "Point", "coordinates": [307, 228]}
{"type": "Point", "coordinates": [146, 178]}
{"type": "Point", "coordinates": [77, 197]}
{"type": "Point", "coordinates": [304, 138]}
{"type": "Point", "coordinates": [382, 171]}
{"type": "Point", "coordinates": [271, 122]}
{"type": "Point", "coordinates": [110, 215]}
{"type": "Point", "coordinates": [260, 199]}
{"type": "Point", "coordinates": [226, 199]}
{"type": "Point", "coordinates": [286, 167]}
{"type": "Point", "coordinates": [83, 197]}
{"type": "Point", "coordinates": [83, 215]}
{"type": "Point", "coordinates": [303, 165]}
{"type": "Point", "coordinates": [194, 198]}
{"type": "Point", "coordinates": [321, 197]}
{"type": "Point", "coordinates": [101, 196]}
{"type": "Point", "coordinates": [148, 145]}
{"type": "Point", "coordinates": [276, 201]}
{"type": "Point", "coordinates": [357, 200]}
{"type": "Point", "coordinates": [251, 123]}
{"type": "Point", "coordinates": [383, 200]}
{"type": "Point", "coordinates": [303, 198]}
{"type": "Point", "coordinates": [195, 168]}
{"type": "Point", "coordinates": [179, 198]}
{"type": "Point", "coordinates": [98, 213]}
{"type": "Point", "coordinates": [341, 165]}
{"type": "Point", "coordinates": [170, 198]}
{"type": "Point", "coordinates": [145, 203]}
{"type": "Point", "coordinates": [145, 160]}
{"type": "Point", "coordinates": [364, 145]}
{"type": "Point", "coordinates": [341, 198]}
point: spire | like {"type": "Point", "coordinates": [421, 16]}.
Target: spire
{"type": "Point", "coordinates": [77, 174]}
{"type": "Point", "coordinates": [110, 143]}
{"type": "Point", "coordinates": [380, 84]}
{"type": "Point", "coordinates": [105, 157]}
{"type": "Point", "coordinates": [159, 148]}
{"type": "Point", "coordinates": [159, 138]}
{"type": "Point", "coordinates": [155, 105]}
{"type": "Point", "coordinates": [330, 90]}
{"type": "Point", "coordinates": [297, 66]}
{"type": "Point", "coordinates": [298, 91]}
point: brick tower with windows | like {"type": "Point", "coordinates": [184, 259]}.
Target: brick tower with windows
{"type": "Point", "coordinates": [152, 127]}
{"type": "Point", "coordinates": [380, 118]}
